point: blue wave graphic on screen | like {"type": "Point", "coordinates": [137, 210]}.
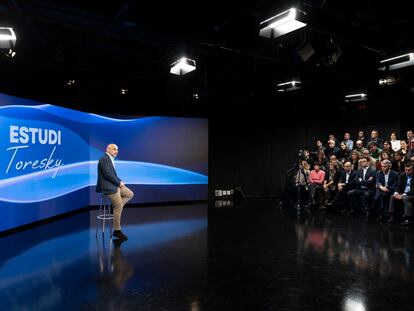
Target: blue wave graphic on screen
{"type": "Point", "coordinates": [41, 186]}
{"type": "Point", "coordinates": [65, 113]}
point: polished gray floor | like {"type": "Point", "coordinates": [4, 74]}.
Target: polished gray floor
{"type": "Point", "coordinates": [252, 256]}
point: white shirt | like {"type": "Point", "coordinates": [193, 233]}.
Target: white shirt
{"type": "Point", "coordinates": [386, 178]}
{"type": "Point", "coordinates": [407, 187]}
{"type": "Point", "coordinates": [396, 145]}
{"type": "Point", "coordinates": [112, 159]}
{"type": "Point", "coordinates": [347, 177]}
{"type": "Point", "coordinates": [365, 171]}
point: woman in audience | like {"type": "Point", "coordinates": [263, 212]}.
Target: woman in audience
{"type": "Point", "coordinates": [344, 153]}
{"type": "Point", "coordinates": [382, 156]}
{"type": "Point", "coordinates": [397, 163]}
{"type": "Point", "coordinates": [355, 155]}
{"type": "Point", "coordinates": [395, 143]}
{"type": "Point", "coordinates": [387, 148]}
{"type": "Point", "coordinates": [316, 179]}
{"type": "Point", "coordinates": [321, 158]}
{"type": "Point", "coordinates": [330, 183]}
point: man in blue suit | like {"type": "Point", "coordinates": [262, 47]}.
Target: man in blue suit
{"type": "Point", "coordinates": [386, 182]}
{"type": "Point", "coordinates": [404, 192]}
{"type": "Point", "coordinates": [111, 185]}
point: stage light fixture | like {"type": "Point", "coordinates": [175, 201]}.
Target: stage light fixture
{"type": "Point", "coordinates": [289, 86]}
{"type": "Point", "coordinates": [356, 97]}
{"type": "Point", "coordinates": [283, 23]}
{"type": "Point", "coordinates": [397, 62]}
{"type": "Point", "coordinates": [7, 38]}
{"type": "Point", "coordinates": [10, 53]}
{"type": "Point", "coordinates": [182, 66]}
{"type": "Point", "coordinates": [124, 91]}
{"type": "Point", "coordinates": [387, 81]}
{"type": "Point", "coordinates": [70, 82]}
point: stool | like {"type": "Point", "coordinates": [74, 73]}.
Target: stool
{"type": "Point", "coordinates": [104, 214]}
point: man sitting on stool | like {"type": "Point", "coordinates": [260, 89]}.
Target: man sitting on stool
{"type": "Point", "coordinates": [404, 193]}
{"type": "Point", "coordinates": [111, 185]}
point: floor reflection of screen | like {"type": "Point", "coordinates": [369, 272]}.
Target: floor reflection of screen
{"type": "Point", "coordinates": [49, 156]}
{"type": "Point", "coordinates": [167, 249]}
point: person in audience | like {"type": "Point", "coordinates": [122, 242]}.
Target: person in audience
{"type": "Point", "coordinates": [334, 160]}
{"type": "Point", "coordinates": [372, 162]}
{"type": "Point", "coordinates": [383, 156]}
{"type": "Point", "coordinates": [349, 143]}
{"type": "Point", "coordinates": [322, 160]}
{"type": "Point", "coordinates": [316, 179]}
{"type": "Point", "coordinates": [374, 151]}
{"type": "Point", "coordinates": [331, 149]}
{"type": "Point", "coordinates": [306, 156]}
{"type": "Point", "coordinates": [376, 139]}
{"type": "Point", "coordinates": [330, 184]}
{"type": "Point", "coordinates": [332, 137]}
{"type": "Point", "coordinates": [403, 150]}
{"type": "Point", "coordinates": [319, 146]}
{"type": "Point", "coordinates": [354, 159]}
{"type": "Point", "coordinates": [346, 183]}
{"type": "Point", "coordinates": [410, 155]}
{"type": "Point", "coordinates": [344, 154]}
{"type": "Point", "coordinates": [386, 182]}
{"type": "Point", "coordinates": [404, 193]}
{"type": "Point", "coordinates": [395, 143]}
{"type": "Point", "coordinates": [387, 148]}
{"type": "Point", "coordinates": [359, 146]}
{"type": "Point", "coordinates": [397, 163]}
{"type": "Point", "coordinates": [361, 137]}
{"type": "Point", "coordinates": [302, 184]}
{"type": "Point", "coordinates": [364, 188]}
{"type": "Point", "coordinates": [410, 139]}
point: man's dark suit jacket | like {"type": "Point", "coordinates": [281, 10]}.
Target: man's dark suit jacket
{"type": "Point", "coordinates": [392, 180]}
{"type": "Point", "coordinates": [108, 180]}
{"type": "Point", "coordinates": [369, 181]}
{"type": "Point", "coordinates": [351, 180]}
{"type": "Point", "coordinates": [402, 183]}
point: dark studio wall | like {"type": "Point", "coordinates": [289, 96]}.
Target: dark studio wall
{"type": "Point", "coordinates": [256, 147]}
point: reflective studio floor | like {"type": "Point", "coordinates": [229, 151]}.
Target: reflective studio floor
{"type": "Point", "coordinates": [252, 256]}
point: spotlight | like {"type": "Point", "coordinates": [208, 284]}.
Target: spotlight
{"type": "Point", "coordinates": [289, 86]}
{"type": "Point", "coordinates": [7, 38]}
{"type": "Point", "coordinates": [182, 66]}
{"type": "Point", "coordinates": [70, 82]}
{"type": "Point", "coordinates": [356, 97]}
{"type": "Point", "coordinates": [397, 62]}
{"type": "Point", "coordinates": [283, 23]}
{"type": "Point", "coordinates": [195, 96]}
{"type": "Point", "coordinates": [124, 91]}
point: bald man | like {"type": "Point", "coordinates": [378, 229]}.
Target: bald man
{"type": "Point", "coordinates": [111, 185]}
